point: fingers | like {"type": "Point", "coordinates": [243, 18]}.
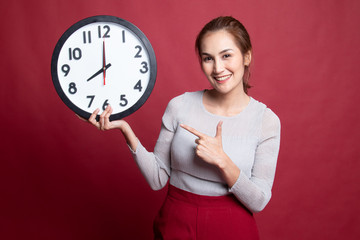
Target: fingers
{"type": "Point", "coordinates": [92, 118]}
{"type": "Point", "coordinates": [104, 118]}
{"type": "Point", "coordinates": [103, 123]}
{"type": "Point", "coordinates": [201, 135]}
{"type": "Point", "coordinates": [192, 130]}
{"type": "Point", "coordinates": [219, 129]}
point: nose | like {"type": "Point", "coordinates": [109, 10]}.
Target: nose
{"type": "Point", "coordinates": [218, 67]}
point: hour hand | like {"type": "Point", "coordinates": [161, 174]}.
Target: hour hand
{"type": "Point", "coordinates": [100, 71]}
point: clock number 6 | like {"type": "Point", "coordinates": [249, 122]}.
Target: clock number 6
{"type": "Point", "coordinates": [105, 104]}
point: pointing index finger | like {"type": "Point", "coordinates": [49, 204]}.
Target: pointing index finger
{"type": "Point", "coordinates": [192, 130]}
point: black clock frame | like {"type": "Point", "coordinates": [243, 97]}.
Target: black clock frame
{"type": "Point", "coordinates": [104, 18]}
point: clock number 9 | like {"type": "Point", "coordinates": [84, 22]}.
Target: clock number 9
{"type": "Point", "coordinates": [66, 69]}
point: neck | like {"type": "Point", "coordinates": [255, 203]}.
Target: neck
{"type": "Point", "coordinates": [229, 104]}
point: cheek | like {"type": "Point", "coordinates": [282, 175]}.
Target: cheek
{"type": "Point", "coordinates": [206, 68]}
{"type": "Point", "coordinates": [239, 67]}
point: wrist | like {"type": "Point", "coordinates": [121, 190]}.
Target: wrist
{"type": "Point", "coordinates": [224, 163]}
{"type": "Point", "coordinates": [229, 171]}
{"type": "Point", "coordinates": [129, 135]}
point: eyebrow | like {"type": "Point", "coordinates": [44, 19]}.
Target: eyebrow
{"type": "Point", "coordinates": [223, 51]}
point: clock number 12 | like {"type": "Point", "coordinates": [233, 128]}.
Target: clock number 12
{"type": "Point", "coordinates": [106, 34]}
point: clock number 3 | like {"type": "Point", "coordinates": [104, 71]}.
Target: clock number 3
{"type": "Point", "coordinates": [144, 68]}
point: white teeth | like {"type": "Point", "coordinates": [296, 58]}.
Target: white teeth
{"type": "Point", "coordinates": [222, 78]}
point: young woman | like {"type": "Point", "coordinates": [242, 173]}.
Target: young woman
{"type": "Point", "coordinates": [218, 147]}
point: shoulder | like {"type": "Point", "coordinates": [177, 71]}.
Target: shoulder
{"type": "Point", "coordinates": [269, 115]}
{"type": "Point", "coordinates": [271, 122]}
{"type": "Point", "coordinates": [183, 99]}
{"type": "Point", "coordinates": [174, 109]}
{"type": "Point", "coordinates": [269, 118]}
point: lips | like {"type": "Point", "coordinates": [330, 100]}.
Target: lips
{"type": "Point", "coordinates": [222, 78]}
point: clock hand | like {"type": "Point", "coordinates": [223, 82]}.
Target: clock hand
{"type": "Point", "coordinates": [104, 61]}
{"type": "Point", "coordinates": [100, 71]}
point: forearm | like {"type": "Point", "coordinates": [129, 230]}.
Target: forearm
{"type": "Point", "coordinates": [254, 193]}
{"type": "Point", "coordinates": [153, 170]}
{"type": "Point", "coordinates": [229, 171]}
{"type": "Point", "coordinates": [155, 166]}
{"type": "Point", "coordinates": [129, 135]}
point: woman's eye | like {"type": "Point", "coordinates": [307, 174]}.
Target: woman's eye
{"type": "Point", "coordinates": [226, 56]}
{"type": "Point", "coordinates": [207, 59]}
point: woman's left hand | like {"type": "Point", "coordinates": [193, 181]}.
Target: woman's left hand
{"type": "Point", "coordinates": [209, 148]}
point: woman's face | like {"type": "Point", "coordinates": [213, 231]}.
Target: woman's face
{"type": "Point", "coordinates": [222, 61]}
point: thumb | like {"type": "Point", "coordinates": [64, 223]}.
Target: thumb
{"type": "Point", "coordinates": [219, 130]}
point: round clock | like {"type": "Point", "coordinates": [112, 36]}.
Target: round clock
{"type": "Point", "coordinates": [103, 60]}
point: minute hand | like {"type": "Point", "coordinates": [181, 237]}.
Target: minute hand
{"type": "Point", "coordinates": [100, 71]}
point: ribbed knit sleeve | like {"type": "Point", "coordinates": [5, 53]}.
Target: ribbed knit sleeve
{"type": "Point", "coordinates": [155, 166]}
{"type": "Point", "coordinates": [255, 191]}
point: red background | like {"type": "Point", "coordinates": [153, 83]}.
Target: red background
{"type": "Point", "coordinates": [60, 178]}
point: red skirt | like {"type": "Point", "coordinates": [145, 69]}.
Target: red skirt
{"type": "Point", "coordinates": [185, 215]}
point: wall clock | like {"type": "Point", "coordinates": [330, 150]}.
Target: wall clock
{"type": "Point", "coordinates": [103, 60]}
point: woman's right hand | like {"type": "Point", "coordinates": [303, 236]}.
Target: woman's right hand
{"type": "Point", "coordinates": [104, 122]}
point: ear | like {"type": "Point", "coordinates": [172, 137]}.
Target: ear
{"type": "Point", "coordinates": [247, 58]}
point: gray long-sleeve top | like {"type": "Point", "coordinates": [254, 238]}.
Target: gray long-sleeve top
{"type": "Point", "coordinates": [251, 139]}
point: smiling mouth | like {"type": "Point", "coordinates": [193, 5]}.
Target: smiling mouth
{"type": "Point", "coordinates": [222, 78]}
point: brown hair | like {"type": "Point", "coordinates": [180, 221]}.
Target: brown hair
{"type": "Point", "coordinates": [237, 30]}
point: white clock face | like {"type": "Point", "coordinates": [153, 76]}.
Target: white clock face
{"type": "Point", "coordinates": [103, 63]}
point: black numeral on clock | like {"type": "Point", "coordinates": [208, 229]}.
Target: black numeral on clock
{"type": "Point", "coordinates": [138, 55]}
{"type": "Point", "coordinates": [138, 86]}
{"type": "Point", "coordinates": [87, 37]}
{"type": "Point", "coordinates": [91, 100]}
{"type": "Point", "coordinates": [144, 68]}
{"type": "Point", "coordinates": [123, 100]}
{"type": "Point", "coordinates": [105, 104]}
{"type": "Point", "coordinates": [123, 36]}
{"type": "Point", "coordinates": [75, 53]}
{"type": "Point", "coordinates": [66, 69]}
{"type": "Point", "coordinates": [72, 88]}
{"type": "Point", "coordinates": [106, 34]}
